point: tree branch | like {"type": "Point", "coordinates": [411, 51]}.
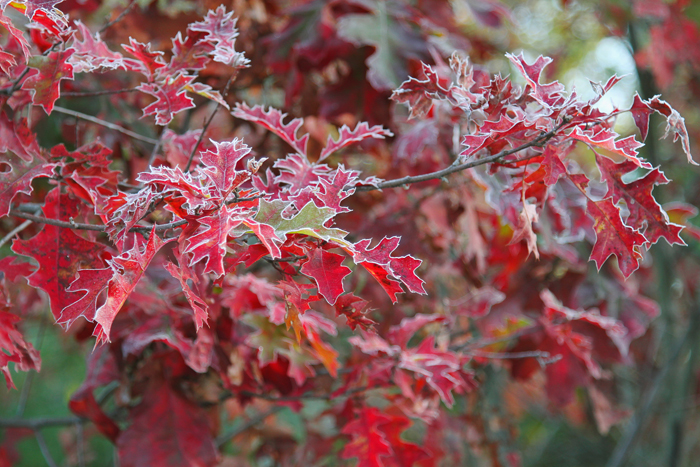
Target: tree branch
{"type": "Point", "coordinates": [120, 17]}
{"type": "Point", "coordinates": [538, 141]}
{"type": "Point", "coordinates": [105, 124]}
{"type": "Point", "coordinates": [97, 93]}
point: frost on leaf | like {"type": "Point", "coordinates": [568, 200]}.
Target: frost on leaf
{"type": "Point", "coordinates": [46, 75]}
{"type": "Point", "coordinates": [273, 120]}
{"type": "Point", "coordinates": [327, 271]}
{"type": "Point", "coordinates": [59, 252]}
{"type": "Point", "coordinates": [613, 237]}
{"type": "Point", "coordinates": [171, 97]}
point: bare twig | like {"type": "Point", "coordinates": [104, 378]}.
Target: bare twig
{"type": "Point", "coordinates": [37, 423]}
{"type": "Point", "coordinates": [224, 93]}
{"type": "Point", "coordinates": [120, 17]}
{"type": "Point", "coordinates": [14, 232]}
{"type": "Point", "coordinates": [97, 93]}
{"type": "Point", "coordinates": [538, 141]}
{"type": "Point", "coordinates": [308, 396]}
{"type": "Point", "coordinates": [225, 438]}
{"type": "Point", "coordinates": [44, 449]}
{"type": "Point", "coordinates": [105, 124]}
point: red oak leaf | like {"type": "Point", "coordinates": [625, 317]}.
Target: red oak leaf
{"type": "Point", "coordinates": [549, 95]}
{"type": "Point", "coordinates": [605, 138]}
{"type": "Point", "coordinates": [327, 270]}
{"type": "Point", "coordinates": [171, 97]}
{"type": "Point", "coordinates": [185, 276]}
{"type": "Point", "coordinates": [644, 210]}
{"type": "Point", "coordinates": [17, 34]}
{"type": "Point", "coordinates": [13, 347]}
{"type": "Point", "coordinates": [404, 453]}
{"type": "Point", "coordinates": [353, 308]}
{"type": "Point", "coordinates": [402, 268]}
{"type": "Point", "coordinates": [92, 54]}
{"type": "Point", "coordinates": [346, 137]}
{"type": "Point", "coordinates": [178, 183]}
{"type": "Point", "coordinates": [674, 124]}
{"type": "Point", "coordinates": [147, 62]}
{"type": "Point", "coordinates": [368, 444]}
{"type": "Point", "coordinates": [166, 429]}
{"type": "Point", "coordinates": [441, 370]}
{"type": "Point", "coordinates": [45, 78]}
{"type": "Point", "coordinates": [210, 243]}
{"type": "Point", "coordinates": [298, 173]}
{"type": "Point", "coordinates": [273, 120]}
{"type": "Point", "coordinates": [613, 237]}
{"type": "Point", "coordinates": [221, 33]}
{"type": "Point", "coordinates": [402, 333]}
{"type": "Point", "coordinates": [128, 269]}
{"type": "Point", "coordinates": [220, 166]}
{"type": "Point", "coordinates": [189, 54]}
{"type": "Point", "coordinates": [59, 252]}
{"type": "Point", "coordinates": [641, 111]}
{"type": "Point", "coordinates": [19, 178]}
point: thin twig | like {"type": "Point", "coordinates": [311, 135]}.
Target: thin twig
{"type": "Point", "coordinates": [289, 259]}
{"type": "Point", "coordinates": [121, 16]}
{"type": "Point", "coordinates": [97, 93]}
{"type": "Point", "coordinates": [538, 141]}
{"type": "Point", "coordinates": [510, 355]}
{"type": "Point", "coordinates": [479, 343]}
{"type": "Point", "coordinates": [308, 396]}
{"type": "Point", "coordinates": [37, 423]}
{"type": "Point", "coordinates": [44, 449]}
{"type": "Point", "coordinates": [14, 232]}
{"type": "Point", "coordinates": [224, 93]}
{"type": "Point", "coordinates": [225, 438]}
{"type": "Point", "coordinates": [105, 124]}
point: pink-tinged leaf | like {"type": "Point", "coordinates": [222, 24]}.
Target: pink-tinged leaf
{"type": "Point", "coordinates": [354, 310]}
{"type": "Point", "coordinates": [210, 242]}
{"type": "Point", "coordinates": [17, 34]}
{"type": "Point", "coordinates": [605, 138]}
{"type": "Point", "coordinates": [645, 212]}
{"type": "Point", "coordinates": [19, 178]}
{"type": "Point", "coordinates": [347, 137]}
{"type": "Point", "coordinates": [93, 282]}
{"type": "Point", "coordinates": [680, 213]}
{"type": "Point", "coordinates": [166, 429]}
{"type": "Point", "coordinates": [220, 166]}
{"type": "Point", "coordinates": [267, 235]}
{"type": "Point", "coordinates": [31, 7]}
{"type": "Point", "coordinates": [127, 269]}
{"type": "Point", "coordinates": [220, 29]}
{"type": "Point", "coordinates": [418, 94]}
{"type": "Point", "coordinates": [441, 370]}
{"type": "Point", "coordinates": [124, 211]}
{"type": "Point", "coordinates": [402, 333]}
{"type": "Point", "coordinates": [7, 61]}
{"type": "Point", "coordinates": [185, 275]}
{"type": "Point", "coordinates": [273, 120]}
{"type": "Point", "coordinates": [549, 95]}
{"type": "Point", "coordinates": [190, 53]}
{"type": "Point", "coordinates": [13, 347]}
{"type": "Point", "coordinates": [477, 303]}
{"type": "Point", "coordinates": [147, 62]}
{"type": "Point", "coordinates": [327, 270]}
{"type": "Point", "coordinates": [332, 193]}
{"type": "Point", "coordinates": [367, 443]}
{"type": "Point", "coordinates": [641, 111]}
{"type": "Point", "coordinates": [171, 97]}
{"type": "Point", "coordinates": [390, 286]}
{"type": "Point", "coordinates": [46, 75]}
{"type": "Point", "coordinates": [207, 91]}
{"type": "Point", "coordinates": [177, 148]}
{"type": "Point", "coordinates": [553, 167]}
{"type": "Point", "coordinates": [59, 252]}
{"type": "Point", "coordinates": [298, 173]}
{"type": "Point", "coordinates": [179, 183]}
{"type": "Point", "coordinates": [674, 124]}
{"type": "Point", "coordinates": [380, 254]}
{"type": "Point", "coordinates": [523, 231]}
{"type": "Point", "coordinates": [372, 344]}
{"type": "Point", "coordinates": [613, 237]}
{"type": "Point", "coordinates": [92, 54]}
{"type": "Point", "coordinates": [404, 269]}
